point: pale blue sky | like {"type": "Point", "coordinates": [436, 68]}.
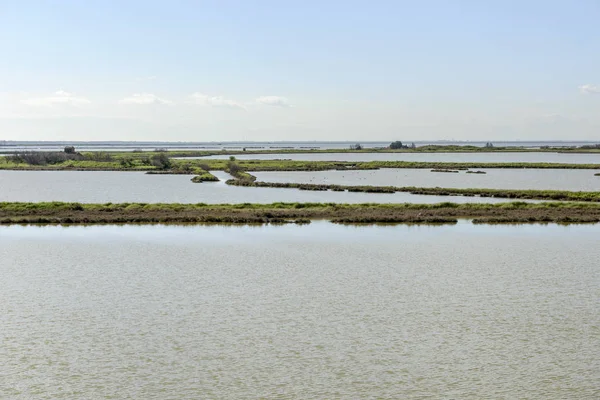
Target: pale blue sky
{"type": "Point", "coordinates": [307, 70]}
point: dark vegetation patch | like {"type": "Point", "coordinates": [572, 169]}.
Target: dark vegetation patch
{"type": "Point", "coordinates": [76, 213]}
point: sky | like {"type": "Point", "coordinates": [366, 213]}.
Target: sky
{"type": "Point", "coordinates": [299, 70]}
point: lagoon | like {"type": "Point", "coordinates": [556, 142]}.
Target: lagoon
{"type": "Point", "coordinates": [138, 187]}
{"type": "Point", "coordinates": [525, 179]}
{"type": "Point", "coordinates": [299, 312]}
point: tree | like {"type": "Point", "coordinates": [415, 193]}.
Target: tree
{"type": "Point", "coordinates": [356, 146]}
{"type": "Point", "coordinates": [396, 145]}
{"type": "Point", "coordinates": [161, 161]}
{"type": "Point", "coordinates": [70, 150]}
{"type": "Point", "coordinates": [489, 145]}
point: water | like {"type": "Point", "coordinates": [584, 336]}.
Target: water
{"type": "Point", "coordinates": [543, 179]}
{"type": "Point", "coordinates": [319, 311]}
{"type": "Point", "coordinates": [11, 146]}
{"type": "Point", "coordinates": [564, 158]}
{"type": "Point", "coordinates": [138, 187]}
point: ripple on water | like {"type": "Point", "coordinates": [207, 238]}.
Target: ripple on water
{"type": "Point", "coordinates": [317, 311]}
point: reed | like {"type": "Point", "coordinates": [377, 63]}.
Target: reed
{"type": "Point", "coordinates": [78, 213]}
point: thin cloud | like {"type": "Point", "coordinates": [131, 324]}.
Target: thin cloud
{"type": "Point", "coordinates": [215, 101]}
{"type": "Point", "coordinates": [145, 98]}
{"type": "Point", "coordinates": [58, 97]}
{"type": "Point", "coordinates": [275, 101]}
{"type": "Point", "coordinates": [589, 89]}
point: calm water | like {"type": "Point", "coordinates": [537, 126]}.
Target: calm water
{"type": "Point", "coordinates": [10, 146]}
{"type": "Point", "coordinates": [555, 179]}
{"type": "Point", "coordinates": [428, 157]}
{"type": "Point", "coordinates": [131, 187]}
{"type": "Point", "coordinates": [319, 311]}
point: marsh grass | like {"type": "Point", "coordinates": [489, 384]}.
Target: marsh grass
{"type": "Point", "coordinates": [164, 161]}
{"type": "Point", "coordinates": [248, 213]}
{"type": "Point", "coordinates": [204, 176]}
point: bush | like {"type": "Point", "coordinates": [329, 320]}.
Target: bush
{"type": "Point", "coordinates": [43, 158]}
{"type": "Point", "coordinates": [356, 146]}
{"type": "Point", "coordinates": [233, 167]}
{"type": "Point", "coordinates": [99, 156]}
{"type": "Point", "coordinates": [185, 168]}
{"type": "Point", "coordinates": [161, 161]}
{"type": "Point", "coordinates": [397, 145]}
{"type": "Point", "coordinates": [126, 162]}
{"type": "Point", "coordinates": [70, 150]}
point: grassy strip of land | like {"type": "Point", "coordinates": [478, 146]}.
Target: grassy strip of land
{"type": "Point", "coordinates": [162, 162]}
{"type": "Point", "coordinates": [77, 213]}
{"type": "Point", "coordinates": [560, 195]}
{"type": "Point", "coordinates": [239, 174]}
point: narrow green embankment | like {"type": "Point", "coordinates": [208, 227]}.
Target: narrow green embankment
{"type": "Point", "coordinates": [554, 195]}
{"type": "Point", "coordinates": [76, 213]}
{"type": "Point", "coordinates": [162, 162]}
{"type": "Point", "coordinates": [292, 165]}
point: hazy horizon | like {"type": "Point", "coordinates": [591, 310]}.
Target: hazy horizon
{"type": "Point", "coordinates": [293, 141]}
{"type": "Point", "coordinates": [269, 71]}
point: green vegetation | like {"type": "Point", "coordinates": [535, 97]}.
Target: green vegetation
{"type": "Point", "coordinates": [56, 157]}
{"type": "Point", "coordinates": [560, 195]}
{"type": "Point", "coordinates": [76, 213]}
{"type": "Point", "coordinates": [160, 161]}
{"type": "Point", "coordinates": [121, 161]}
{"type": "Point", "coordinates": [397, 145]}
{"type": "Point", "coordinates": [445, 170]}
{"type": "Point", "coordinates": [238, 172]}
{"type": "Point", "coordinates": [204, 176]}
